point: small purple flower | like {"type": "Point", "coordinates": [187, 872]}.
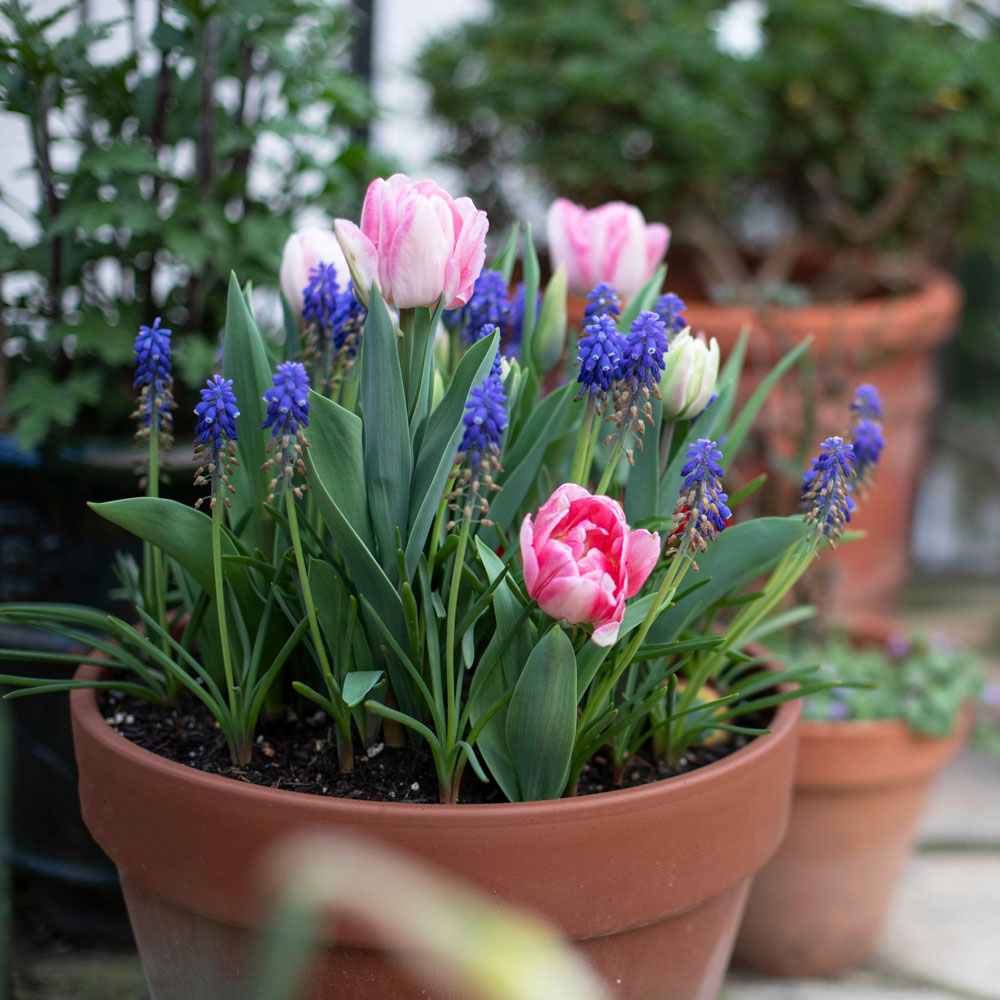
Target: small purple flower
{"type": "Point", "coordinates": [287, 414]}
{"type": "Point", "coordinates": [701, 511]}
{"type": "Point", "coordinates": [485, 420]}
{"type": "Point", "coordinates": [642, 353]}
{"type": "Point", "coordinates": [215, 436]}
{"type": "Point", "coordinates": [216, 415]}
{"type": "Point", "coordinates": [155, 381]}
{"type": "Point", "coordinates": [826, 493]}
{"type": "Point", "coordinates": [897, 646]}
{"type": "Point", "coordinates": [603, 299]}
{"type": "Point", "coordinates": [152, 355]}
{"type": "Point", "coordinates": [867, 404]}
{"type": "Point", "coordinates": [487, 305]}
{"type": "Point", "coordinates": [670, 308]}
{"type": "Point", "coordinates": [287, 400]}
{"type": "Point", "coordinates": [599, 357]}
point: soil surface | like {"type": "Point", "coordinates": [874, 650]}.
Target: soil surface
{"type": "Point", "coordinates": [298, 752]}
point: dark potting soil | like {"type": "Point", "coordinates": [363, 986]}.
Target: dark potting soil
{"type": "Point", "coordinates": [298, 752]}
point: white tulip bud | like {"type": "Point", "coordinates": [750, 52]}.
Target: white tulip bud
{"type": "Point", "coordinates": [691, 369]}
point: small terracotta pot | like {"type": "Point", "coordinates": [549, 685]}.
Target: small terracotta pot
{"type": "Point", "coordinates": [888, 341]}
{"type": "Point", "coordinates": [816, 907]}
{"type": "Point", "coordinates": [649, 882]}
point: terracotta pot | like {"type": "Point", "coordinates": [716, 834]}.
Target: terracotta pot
{"type": "Point", "coordinates": [649, 882]}
{"type": "Point", "coordinates": [888, 341]}
{"type": "Point", "coordinates": [816, 907]}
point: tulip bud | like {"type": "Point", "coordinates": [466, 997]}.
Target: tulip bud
{"type": "Point", "coordinates": [549, 338]}
{"type": "Point", "coordinates": [691, 369]}
{"type": "Point", "coordinates": [303, 251]}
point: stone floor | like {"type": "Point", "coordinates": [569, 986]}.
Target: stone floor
{"type": "Point", "coordinates": [941, 940]}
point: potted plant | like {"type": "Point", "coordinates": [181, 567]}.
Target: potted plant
{"type": "Point", "coordinates": [804, 197]}
{"type": "Point", "coordinates": [477, 621]}
{"type": "Point", "coordinates": [868, 754]}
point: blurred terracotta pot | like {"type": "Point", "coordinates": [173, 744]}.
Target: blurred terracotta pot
{"type": "Point", "coordinates": [890, 342]}
{"type": "Point", "coordinates": [816, 907]}
{"type": "Point", "coordinates": [649, 882]}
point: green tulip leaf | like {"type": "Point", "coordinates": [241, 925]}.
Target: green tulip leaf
{"type": "Point", "coordinates": [541, 718]}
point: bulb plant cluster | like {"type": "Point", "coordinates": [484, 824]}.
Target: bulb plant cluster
{"type": "Point", "coordinates": [449, 521]}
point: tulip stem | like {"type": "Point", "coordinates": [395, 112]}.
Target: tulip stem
{"type": "Point", "coordinates": [456, 582]}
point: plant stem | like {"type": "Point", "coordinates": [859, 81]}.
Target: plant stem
{"type": "Point", "coordinates": [580, 469]}
{"type": "Point", "coordinates": [220, 607]}
{"type": "Point", "coordinates": [342, 718]}
{"type": "Point", "coordinates": [666, 437]}
{"type": "Point", "coordinates": [456, 581]}
{"type": "Point", "coordinates": [609, 469]}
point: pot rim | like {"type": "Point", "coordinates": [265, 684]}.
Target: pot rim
{"type": "Point", "coordinates": [87, 715]}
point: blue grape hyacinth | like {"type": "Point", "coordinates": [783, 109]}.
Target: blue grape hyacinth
{"type": "Point", "coordinates": [826, 490]}
{"type": "Point", "coordinates": [599, 357]}
{"type": "Point", "coordinates": [603, 299]}
{"type": "Point", "coordinates": [155, 381]}
{"type": "Point", "coordinates": [701, 511]}
{"type": "Point", "coordinates": [485, 420]}
{"type": "Point", "coordinates": [287, 416]}
{"type": "Point", "coordinates": [488, 304]}
{"type": "Point", "coordinates": [642, 353]}
{"type": "Point", "coordinates": [215, 436]}
{"type": "Point", "coordinates": [671, 308]}
{"type": "Point", "coordinates": [867, 436]}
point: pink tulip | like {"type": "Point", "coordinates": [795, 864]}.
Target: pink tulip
{"type": "Point", "coordinates": [303, 251]}
{"type": "Point", "coordinates": [581, 561]}
{"type": "Point", "coordinates": [612, 243]}
{"type": "Point", "coordinates": [416, 243]}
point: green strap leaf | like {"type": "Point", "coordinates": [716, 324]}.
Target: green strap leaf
{"type": "Point", "coordinates": [244, 360]}
{"type": "Point", "coordinates": [440, 445]}
{"type": "Point", "coordinates": [387, 451]}
{"type": "Point", "coordinates": [541, 718]}
{"type": "Point", "coordinates": [358, 683]}
{"type": "Point", "coordinates": [336, 452]}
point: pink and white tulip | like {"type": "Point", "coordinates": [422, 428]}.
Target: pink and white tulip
{"type": "Point", "coordinates": [582, 562]}
{"type": "Point", "coordinates": [303, 251]}
{"type": "Point", "coordinates": [612, 243]}
{"type": "Point", "coordinates": [416, 243]}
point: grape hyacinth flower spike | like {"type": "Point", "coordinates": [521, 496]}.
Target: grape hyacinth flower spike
{"type": "Point", "coordinates": [287, 414]}
{"type": "Point", "coordinates": [603, 300]}
{"type": "Point", "coordinates": [155, 382]}
{"type": "Point", "coordinates": [826, 490]}
{"type": "Point", "coordinates": [488, 306]}
{"type": "Point", "coordinates": [599, 358]}
{"type": "Point", "coordinates": [639, 372]}
{"type": "Point", "coordinates": [215, 438]}
{"type": "Point", "coordinates": [701, 511]}
{"type": "Point", "coordinates": [333, 319]}
{"type": "Point", "coordinates": [485, 421]}
{"type": "Point", "coordinates": [867, 438]}
{"type": "Point", "coordinates": [670, 308]}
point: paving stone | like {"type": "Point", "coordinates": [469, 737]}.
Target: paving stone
{"type": "Point", "coordinates": [944, 923]}
{"type": "Point", "coordinates": [964, 804]}
{"type": "Point", "coordinates": [858, 987]}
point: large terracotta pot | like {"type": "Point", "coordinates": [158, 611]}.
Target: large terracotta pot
{"type": "Point", "coordinates": [817, 906]}
{"type": "Point", "coordinates": [891, 342]}
{"type": "Point", "coordinates": [649, 882]}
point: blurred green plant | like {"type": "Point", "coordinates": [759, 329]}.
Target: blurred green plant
{"type": "Point", "coordinates": [854, 129]}
{"type": "Point", "coordinates": [158, 171]}
{"type": "Point", "coordinates": [925, 682]}
{"type": "Point", "coordinates": [451, 933]}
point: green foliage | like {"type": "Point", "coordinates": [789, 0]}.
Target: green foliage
{"type": "Point", "coordinates": [924, 682]}
{"type": "Point", "coordinates": [157, 173]}
{"type": "Point", "coordinates": [862, 130]}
